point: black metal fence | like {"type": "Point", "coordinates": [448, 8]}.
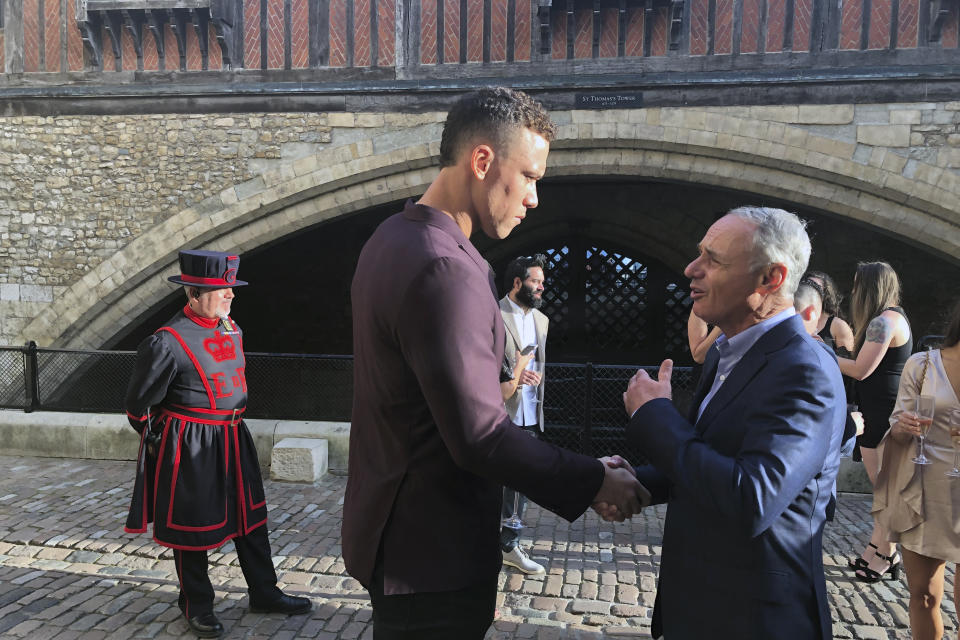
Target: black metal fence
{"type": "Point", "coordinates": [293, 386]}
{"type": "Point", "coordinates": [583, 402]}
{"type": "Point", "coordinates": [584, 405]}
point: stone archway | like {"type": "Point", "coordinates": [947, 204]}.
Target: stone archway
{"type": "Point", "coordinates": [706, 147]}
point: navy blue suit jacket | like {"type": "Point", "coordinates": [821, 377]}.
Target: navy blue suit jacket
{"type": "Point", "coordinates": [747, 486]}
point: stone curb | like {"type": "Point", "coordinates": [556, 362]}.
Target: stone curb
{"type": "Point", "coordinates": [106, 436]}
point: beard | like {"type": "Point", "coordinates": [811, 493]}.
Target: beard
{"type": "Point", "coordinates": [527, 298]}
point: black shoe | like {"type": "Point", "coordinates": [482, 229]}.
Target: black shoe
{"type": "Point", "coordinates": [894, 562]}
{"type": "Point", "coordinates": [205, 625]}
{"type": "Point", "coordinates": [860, 563]}
{"type": "Point", "coordinates": [289, 605]}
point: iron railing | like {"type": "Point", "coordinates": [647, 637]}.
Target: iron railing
{"type": "Point", "coordinates": [295, 386]}
{"type": "Point", "coordinates": [583, 407]}
{"type": "Point", "coordinates": [583, 411]}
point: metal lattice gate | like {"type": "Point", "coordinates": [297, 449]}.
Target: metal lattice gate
{"type": "Point", "coordinates": [607, 305]}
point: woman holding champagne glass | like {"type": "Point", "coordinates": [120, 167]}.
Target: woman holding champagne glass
{"type": "Point", "coordinates": [882, 345]}
{"type": "Point", "coordinates": [919, 504]}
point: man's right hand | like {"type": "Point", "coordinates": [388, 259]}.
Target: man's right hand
{"type": "Point", "coordinates": [529, 378]}
{"type": "Point", "coordinates": [622, 490]}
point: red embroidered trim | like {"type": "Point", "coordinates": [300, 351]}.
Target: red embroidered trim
{"type": "Point", "coordinates": [196, 363]}
{"type": "Point", "coordinates": [243, 355]}
{"type": "Point", "coordinates": [240, 487]}
{"type": "Point", "coordinates": [259, 524]}
{"type": "Point", "coordinates": [206, 323]}
{"type": "Point", "coordinates": [142, 460]}
{"type": "Point", "coordinates": [156, 477]}
{"type": "Point", "coordinates": [253, 507]}
{"type": "Point", "coordinates": [212, 282]}
{"type": "Point", "coordinates": [212, 422]}
{"type": "Point", "coordinates": [173, 486]}
{"type": "Point", "coordinates": [221, 412]}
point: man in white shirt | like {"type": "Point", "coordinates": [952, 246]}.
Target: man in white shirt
{"type": "Point", "coordinates": [522, 384]}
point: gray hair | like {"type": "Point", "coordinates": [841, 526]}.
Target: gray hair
{"type": "Point", "coordinates": [807, 295]}
{"type": "Point", "coordinates": [780, 237]}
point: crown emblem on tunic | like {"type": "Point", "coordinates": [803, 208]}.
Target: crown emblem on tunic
{"type": "Point", "coordinates": [220, 347]}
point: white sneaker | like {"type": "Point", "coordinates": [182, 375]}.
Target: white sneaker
{"type": "Point", "coordinates": [518, 558]}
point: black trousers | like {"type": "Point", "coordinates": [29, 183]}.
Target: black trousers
{"type": "Point", "coordinates": [465, 614]}
{"type": "Point", "coordinates": [253, 552]}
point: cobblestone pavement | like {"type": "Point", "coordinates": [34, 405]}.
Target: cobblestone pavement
{"type": "Point", "coordinates": [67, 570]}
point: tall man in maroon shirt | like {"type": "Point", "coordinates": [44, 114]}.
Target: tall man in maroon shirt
{"type": "Point", "coordinates": [431, 443]}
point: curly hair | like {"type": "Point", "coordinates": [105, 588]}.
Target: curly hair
{"type": "Point", "coordinates": [493, 115]}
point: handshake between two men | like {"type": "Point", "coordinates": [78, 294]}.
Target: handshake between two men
{"type": "Point", "coordinates": [622, 496]}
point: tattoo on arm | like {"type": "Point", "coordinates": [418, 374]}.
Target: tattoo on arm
{"type": "Point", "coordinates": [877, 331]}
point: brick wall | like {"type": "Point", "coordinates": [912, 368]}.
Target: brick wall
{"type": "Point", "coordinates": [43, 49]}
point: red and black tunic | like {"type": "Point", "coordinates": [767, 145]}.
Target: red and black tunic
{"type": "Point", "coordinates": [204, 485]}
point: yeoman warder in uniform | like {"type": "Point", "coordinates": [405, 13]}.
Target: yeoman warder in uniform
{"type": "Point", "coordinates": [198, 478]}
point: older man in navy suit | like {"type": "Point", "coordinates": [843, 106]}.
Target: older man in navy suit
{"type": "Point", "coordinates": [747, 477]}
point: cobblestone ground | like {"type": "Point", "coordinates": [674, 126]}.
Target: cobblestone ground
{"type": "Point", "coordinates": [67, 570]}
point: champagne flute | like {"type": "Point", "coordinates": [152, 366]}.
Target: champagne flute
{"type": "Point", "coordinates": [514, 522]}
{"type": "Point", "coordinates": [955, 438]}
{"type": "Point", "coordinates": [924, 411]}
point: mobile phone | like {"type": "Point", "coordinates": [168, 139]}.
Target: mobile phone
{"type": "Point", "coordinates": [527, 350]}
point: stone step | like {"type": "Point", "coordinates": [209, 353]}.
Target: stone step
{"type": "Point", "coordinates": [299, 460]}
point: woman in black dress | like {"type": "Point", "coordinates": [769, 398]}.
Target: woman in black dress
{"type": "Point", "coordinates": [882, 344]}
{"type": "Point", "coordinates": [832, 328]}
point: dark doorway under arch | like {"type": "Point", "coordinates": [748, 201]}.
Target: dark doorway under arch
{"type": "Point", "coordinates": [299, 297]}
{"type": "Point", "coordinates": [606, 303]}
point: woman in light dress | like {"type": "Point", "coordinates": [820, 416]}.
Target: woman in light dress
{"type": "Point", "coordinates": [919, 505]}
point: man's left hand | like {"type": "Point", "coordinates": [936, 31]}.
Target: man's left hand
{"type": "Point", "coordinates": [642, 388]}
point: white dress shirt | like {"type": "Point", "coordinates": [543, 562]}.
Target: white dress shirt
{"type": "Point", "coordinates": [526, 414]}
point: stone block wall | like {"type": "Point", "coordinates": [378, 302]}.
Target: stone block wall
{"type": "Point", "coordinates": [76, 191]}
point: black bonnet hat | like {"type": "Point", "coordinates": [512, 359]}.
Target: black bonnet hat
{"type": "Point", "coordinates": [210, 269]}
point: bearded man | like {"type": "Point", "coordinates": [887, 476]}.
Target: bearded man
{"type": "Point", "coordinates": [524, 358]}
